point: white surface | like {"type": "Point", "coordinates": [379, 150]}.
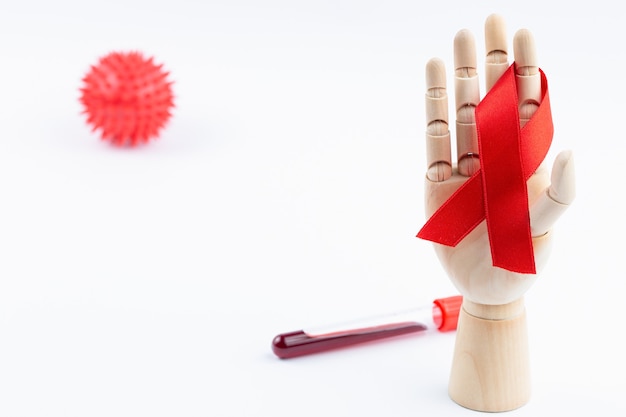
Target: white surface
{"type": "Point", "coordinates": [286, 192]}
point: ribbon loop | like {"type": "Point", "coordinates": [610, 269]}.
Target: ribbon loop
{"type": "Point", "coordinates": [497, 192]}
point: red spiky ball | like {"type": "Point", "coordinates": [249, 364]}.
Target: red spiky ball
{"type": "Point", "coordinates": [127, 97]}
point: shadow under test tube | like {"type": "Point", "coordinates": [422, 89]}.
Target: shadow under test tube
{"type": "Point", "coordinates": [442, 315]}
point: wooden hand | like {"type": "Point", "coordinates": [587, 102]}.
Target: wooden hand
{"type": "Point", "coordinates": [469, 264]}
{"type": "Point", "coordinates": [490, 365]}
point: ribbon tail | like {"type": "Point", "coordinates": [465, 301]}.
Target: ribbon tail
{"type": "Point", "coordinates": [457, 216]}
{"type": "Point", "coordinates": [504, 184]}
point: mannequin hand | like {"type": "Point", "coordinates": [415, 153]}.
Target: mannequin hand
{"type": "Point", "coordinates": [469, 263]}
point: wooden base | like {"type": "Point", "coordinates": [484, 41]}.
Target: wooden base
{"type": "Point", "coordinates": [490, 368]}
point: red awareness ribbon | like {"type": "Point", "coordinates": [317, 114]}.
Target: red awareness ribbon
{"type": "Point", "coordinates": [497, 191]}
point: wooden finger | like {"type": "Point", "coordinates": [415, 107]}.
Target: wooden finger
{"type": "Point", "coordinates": [557, 197]}
{"type": "Point", "coordinates": [497, 58]}
{"type": "Point", "coordinates": [527, 73]}
{"type": "Point", "coordinates": [467, 97]}
{"type": "Point", "coordinates": [438, 153]}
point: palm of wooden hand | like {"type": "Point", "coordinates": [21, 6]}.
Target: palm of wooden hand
{"type": "Point", "coordinates": [469, 263]}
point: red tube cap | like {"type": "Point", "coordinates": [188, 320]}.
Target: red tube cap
{"type": "Point", "coordinates": [446, 312]}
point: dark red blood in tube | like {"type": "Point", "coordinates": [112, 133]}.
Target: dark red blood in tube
{"type": "Point", "coordinates": [299, 343]}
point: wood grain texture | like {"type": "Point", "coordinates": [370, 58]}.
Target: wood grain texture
{"type": "Point", "coordinates": [490, 367]}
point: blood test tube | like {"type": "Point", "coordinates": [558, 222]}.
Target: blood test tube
{"type": "Point", "coordinates": [441, 315]}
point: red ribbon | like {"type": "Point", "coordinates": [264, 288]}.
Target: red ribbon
{"type": "Point", "coordinates": [497, 191]}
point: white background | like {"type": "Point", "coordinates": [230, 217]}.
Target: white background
{"type": "Point", "coordinates": [285, 192]}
